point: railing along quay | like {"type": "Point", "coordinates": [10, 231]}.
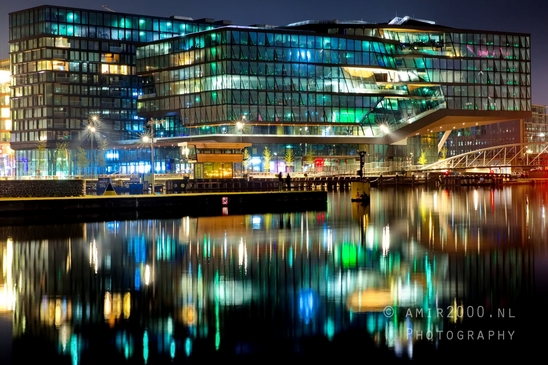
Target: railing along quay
{"type": "Point", "coordinates": [329, 183]}
{"type": "Point", "coordinates": [265, 184]}
{"type": "Point", "coordinates": [298, 183]}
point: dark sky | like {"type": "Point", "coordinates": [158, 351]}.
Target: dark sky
{"type": "Point", "coordinates": [523, 16]}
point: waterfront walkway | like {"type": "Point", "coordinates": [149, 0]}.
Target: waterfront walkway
{"type": "Point", "coordinates": [327, 183]}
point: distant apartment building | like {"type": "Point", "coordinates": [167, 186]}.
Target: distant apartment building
{"type": "Point", "coordinates": [6, 153]}
{"type": "Point", "coordinates": [530, 130]}
{"type": "Point", "coordinates": [474, 138]}
{"type": "Point", "coordinates": [536, 128]}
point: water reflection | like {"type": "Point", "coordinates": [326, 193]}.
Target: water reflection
{"type": "Point", "coordinates": [396, 277]}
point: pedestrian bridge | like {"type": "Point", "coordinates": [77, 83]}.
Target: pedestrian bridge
{"type": "Point", "coordinates": [525, 156]}
{"type": "Point", "coordinates": [519, 155]}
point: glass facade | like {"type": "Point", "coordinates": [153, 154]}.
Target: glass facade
{"type": "Point", "coordinates": [335, 80]}
{"type": "Point", "coordinates": [6, 153]}
{"type": "Point", "coordinates": [69, 65]}
{"type": "Point", "coordinates": [282, 82]}
{"type": "Point", "coordinates": [327, 89]}
{"type": "Point", "coordinates": [275, 77]}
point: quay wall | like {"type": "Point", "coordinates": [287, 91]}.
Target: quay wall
{"type": "Point", "coordinates": [41, 188]}
{"type": "Point", "coordinates": [124, 207]}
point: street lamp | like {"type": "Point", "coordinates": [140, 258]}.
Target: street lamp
{"type": "Point", "coordinates": [92, 128]}
{"type": "Point", "coordinates": [362, 163]}
{"type": "Point", "coordinates": [149, 138]}
{"type": "Point", "coordinates": [240, 127]}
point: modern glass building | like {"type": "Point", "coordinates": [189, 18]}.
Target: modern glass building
{"type": "Point", "coordinates": [337, 87]}
{"type": "Point", "coordinates": [308, 95]}
{"type": "Point", "coordinates": [74, 66]}
{"type": "Point", "coordinates": [6, 153]}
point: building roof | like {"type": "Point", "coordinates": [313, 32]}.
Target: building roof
{"type": "Point", "coordinates": [324, 22]}
{"type": "Point", "coordinates": [407, 20]}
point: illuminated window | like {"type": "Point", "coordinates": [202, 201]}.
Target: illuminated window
{"type": "Point", "coordinates": [62, 42]}
{"type": "Point", "coordinates": [114, 69]}
{"type": "Point", "coordinates": [60, 66]}
{"type": "Point", "coordinates": [110, 58]}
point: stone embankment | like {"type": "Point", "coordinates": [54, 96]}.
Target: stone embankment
{"type": "Point", "coordinates": [55, 207]}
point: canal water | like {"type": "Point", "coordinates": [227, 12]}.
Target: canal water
{"type": "Point", "coordinates": [421, 274]}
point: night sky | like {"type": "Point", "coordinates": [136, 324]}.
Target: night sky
{"type": "Point", "coordinates": [522, 16]}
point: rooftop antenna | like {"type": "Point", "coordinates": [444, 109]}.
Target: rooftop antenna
{"type": "Point", "coordinates": [107, 8]}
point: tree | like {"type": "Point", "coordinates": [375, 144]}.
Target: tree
{"type": "Point", "coordinates": [246, 159]}
{"type": "Point", "coordinates": [443, 152]}
{"type": "Point", "coordinates": [41, 148]}
{"type": "Point", "coordinates": [61, 156]}
{"type": "Point", "coordinates": [422, 158]}
{"type": "Point", "coordinates": [82, 159]}
{"type": "Point", "coordinates": [289, 157]}
{"type": "Point", "coordinates": [103, 145]}
{"type": "Point", "coordinates": [267, 156]}
{"type": "Point", "coordinates": [309, 156]}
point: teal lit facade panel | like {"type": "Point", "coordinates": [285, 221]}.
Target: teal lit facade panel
{"type": "Point", "coordinates": [270, 76]}
{"type": "Point", "coordinates": [269, 84]}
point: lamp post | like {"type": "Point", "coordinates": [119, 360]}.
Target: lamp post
{"type": "Point", "coordinates": [92, 128]}
{"type": "Point", "coordinates": [240, 127]}
{"type": "Point", "coordinates": [150, 139]}
{"type": "Point", "coordinates": [362, 162]}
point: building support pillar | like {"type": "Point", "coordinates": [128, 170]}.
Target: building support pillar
{"type": "Point", "coordinates": [443, 139]}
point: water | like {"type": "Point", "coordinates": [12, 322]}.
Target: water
{"type": "Point", "coordinates": [420, 274]}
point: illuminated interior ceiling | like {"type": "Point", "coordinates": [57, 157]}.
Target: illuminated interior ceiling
{"type": "Point", "coordinates": [364, 72]}
{"type": "Point", "coordinates": [412, 87]}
